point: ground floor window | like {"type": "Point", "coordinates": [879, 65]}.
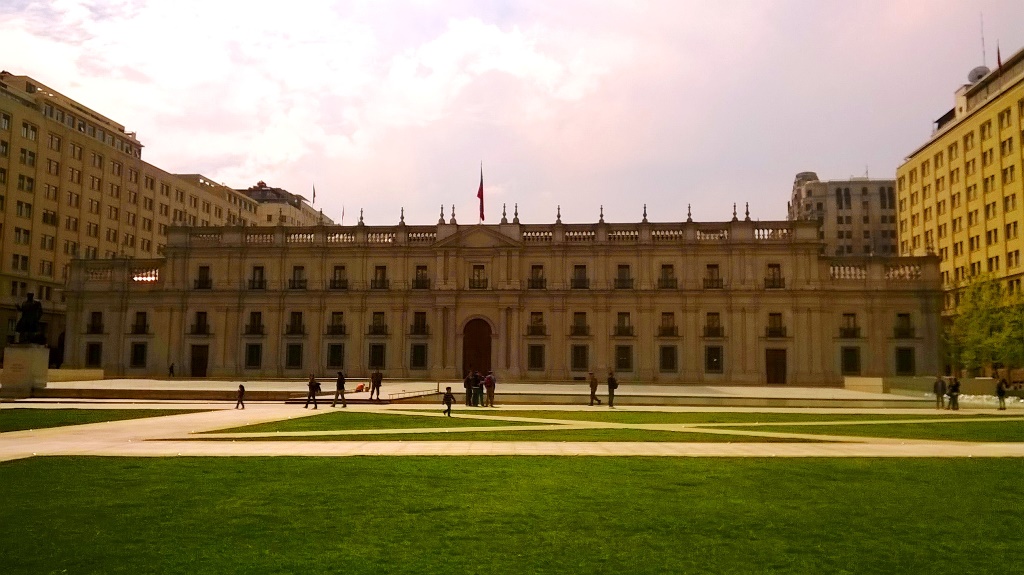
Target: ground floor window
{"type": "Point", "coordinates": [535, 357]}
{"type": "Point", "coordinates": [138, 355]}
{"type": "Point", "coordinates": [94, 354]}
{"type": "Point", "coordinates": [336, 355]}
{"type": "Point", "coordinates": [850, 358]}
{"type": "Point", "coordinates": [623, 358]}
{"type": "Point", "coordinates": [418, 356]}
{"type": "Point", "coordinates": [253, 355]}
{"type": "Point", "coordinates": [376, 359]}
{"type": "Point", "coordinates": [905, 361]}
{"type": "Point", "coordinates": [580, 358]}
{"type": "Point", "coordinates": [713, 359]}
{"type": "Point", "coordinates": [668, 358]}
{"type": "Point", "coordinates": [293, 356]}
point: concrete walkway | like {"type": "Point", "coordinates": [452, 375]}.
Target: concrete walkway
{"type": "Point", "coordinates": [174, 435]}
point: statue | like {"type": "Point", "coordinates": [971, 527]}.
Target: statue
{"type": "Point", "coordinates": [28, 324]}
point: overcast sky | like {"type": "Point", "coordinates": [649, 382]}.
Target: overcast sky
{"type": "Point", "coordinates": [384, 105]}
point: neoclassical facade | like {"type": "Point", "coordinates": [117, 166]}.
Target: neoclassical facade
{"type": "Point", "coordinates": [738, 302]}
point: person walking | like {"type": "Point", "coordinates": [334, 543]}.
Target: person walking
{"type": "Point", "coordinates": [240, 404]}
{"type": "Point", "coordinates": [954, 395]}
{"type": "Point", "coordinates": [593, 389]}
{"type": "Point", "coordinates": [339, 391]}
{"type": "Point", "coordinates": [314, 388]}
{"type": "Point", "coordinates": [376, 379]}
{"type": "Point", "coordinates": [939, 388]}
{"type": "Point", "coordinates": [448, 400]}
{"type": "Point", "coordinates": [468, 384]}
{"type": "Point", "coordinates": [1001, 393]}
{"type": "Point", "coordinates": [489, 382]}
{"type": "Point", "coordinates": [613, 384]}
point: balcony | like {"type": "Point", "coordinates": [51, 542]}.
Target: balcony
{"type": "Point", "coordinates": [200, 329]}
{"type": "Point", "coordinates": [849, 332]}
{"type": "Point", "coordinates": [419, 329]}
{"type": "Point", "coordinates": [537, 329]}
{"type": "Point", "coordinates": [336, 329]}
{"type": "Point", "coordinates": [774, 283]}
{"type": "Point", "coordinates": [140, 329]}
{"type": "Point", "coordinates": [203, 283]}
{"type": "Point", "coordinates": [377, 330]}
{"type": "Point", "coordinates": [775, 331]}
{"type": "Point", "coordinates": [668, 283]}
{"type": "Point", "coordinates": [579, 329]}
{"type": "Point", "coordinates": [255, 329]}
{"type": "Point", "coordinates": [297, 284]}
{"type": "Point", "coordinates": [258, 284]}
{"type": "Point", "coordinates": [668, 331]}
{"type": "Point", "coordinates": [477, 283]}
{"type": "Point", "coordinates": [714, 331]}
{"type": "Point", "coordinates": [579, 283]}
{"type": "Point", "coordinates": [338, 283]}
{"type": "Point", "coordinates": [379, 283]}
{"type": "Point", "coordinates": [421, 283]}
{"type": "Point", "coordinates": [903, 332]}
{"type": "Point", "coordinates": [713, 283]}
{"type": "Point", "coordinates": [623, 283]}
{"type": "Point", "coordinates": [295, 329]}
{"type": "Point", "coordinates": [536, 283]}
{"type": "Point", "coordinates": [623, 330]}
{"type": "Point", "coordinates": [94, 328]}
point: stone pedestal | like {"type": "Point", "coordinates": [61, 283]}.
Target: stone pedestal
{"type": "Point", "coordinates": [25, 368]}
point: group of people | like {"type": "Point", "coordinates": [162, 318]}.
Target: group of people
{"type": "Point", "coordinates": [952, 393]}
{"type": "Point", "coordinates": [613, 384]}
{"type": "Point", "coordinates": [376, 379]}
{"type": "Point", "coordinates": [479, 389]}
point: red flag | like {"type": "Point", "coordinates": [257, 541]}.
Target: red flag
{"type": "Point", "coordinates": [480, 192]}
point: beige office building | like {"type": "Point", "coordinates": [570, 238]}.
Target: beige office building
{"type": "Point", "coordinates": [73, 185]}
{"type": "Point", "coordinates": [858, 215]}
{"type": "Point", "coordinates": [737, 302]}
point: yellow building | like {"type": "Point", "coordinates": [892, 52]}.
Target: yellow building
{"type": "Point", "coordinates": [73, 185]}
{"type": "Point", "coordinates": [739, 302]}
{"type": "Point", "coordinates": [960, 194]}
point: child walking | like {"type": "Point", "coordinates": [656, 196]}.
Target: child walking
{"type": "Point", "coordinates": [447, 400]}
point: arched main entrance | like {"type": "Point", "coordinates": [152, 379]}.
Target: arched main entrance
{"type": "Point", "coordinates": [476, 346]}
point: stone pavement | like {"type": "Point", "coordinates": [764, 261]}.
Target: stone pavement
{"type": "Point", "coordinates": [173, 435]}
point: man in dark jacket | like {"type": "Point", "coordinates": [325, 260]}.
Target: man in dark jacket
{"type": "Point", "coordinates": [613, 384]}
{"type": "Point", "coordinates": [939, 387]}
{"type": "Point", "coordinates": [339, 391]}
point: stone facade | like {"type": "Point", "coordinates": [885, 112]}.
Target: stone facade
{"type": "Point", "coordinates": [737, 302]}
{"type": "Point", "coordinates": [857, 216]}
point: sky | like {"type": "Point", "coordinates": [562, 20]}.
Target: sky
{"type": "Point", "coordinates": [575, 105]}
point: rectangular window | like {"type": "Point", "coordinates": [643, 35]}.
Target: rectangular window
{"type": "Point", "coordinates": [418, 356]}
{"type": "Point", "coordinates": [624, 358]}
{"type": "Point", "coordinates": [713, 359]}
{"type": "Point", "coordinates": [253, 355]}
{"type": "Point", "coordinates": [668, 358]}
{"type": "Point", "coordinates": [336, 355]}
{"type": "Point", "coordinates": [138, 355]}
{"type": "Point", "coordinates": [905, 361]}
{"type": "Point", "coordinates": [293, 356]}
{"type": "Point", "coordinates": [94, 354]}
{"type": "Point", "coordinates": [580, 355]}
{"type": "Point", "coordinates": [376, 359]}
{"type": "Point", "coordinates": [850, 359]}
{"type": "Point", "coordinates": [535, 357]}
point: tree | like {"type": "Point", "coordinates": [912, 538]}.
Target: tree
{"type": "Point", "coordinates": [988, 327]}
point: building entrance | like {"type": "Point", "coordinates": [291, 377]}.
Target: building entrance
{"type": "Point", "coordinates": [200, 359]}
{"type": "Point", "coordinates": [775, 365]}
{"type": "Point", "coordinates": [476, 346]}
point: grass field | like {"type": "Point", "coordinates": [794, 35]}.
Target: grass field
{"type": "Point", "coordinates": [339, 420]}
{"type": "Point", "coordinates": [513, 434]}
{"type": "Point", "coordinates": [622, 416]}
{"type": "Point", "coordinates": [21, 418]}
{"type": "Point", "coordinates": [509, 515]}
{"type": "Point", "coordinates": [1011, 431]}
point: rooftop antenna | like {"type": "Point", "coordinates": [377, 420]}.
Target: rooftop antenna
{"type": "Point", "coordinates": [981, 16]}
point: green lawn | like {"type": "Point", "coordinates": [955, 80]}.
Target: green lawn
{"type": "Point", "coordinates": [509, 515]}
{"type": "Point", "coordinates": [538, 435]}
{"type": "Point", "coordinates": [603, 414]}
{"type": "Point", "coordinates": [1001, 431]}
{"type": "Point", "coordinates": [339, 420]}
{"type": "Point", "coordinates": [21, 418]}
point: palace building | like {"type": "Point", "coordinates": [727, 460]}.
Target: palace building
{"type": "Point", "coordinates": [739, 302]}
{"type": "Point", "coordinates": [960, 193]}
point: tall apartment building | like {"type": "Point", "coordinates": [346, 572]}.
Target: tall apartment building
{"type": "Point", "coordinates": [281, 207]}
{"type": "Point", "coordinates": [857, 216]}
{"type": "Point", "coordinates": [683, 302]}
{"type": "Point", "coordinates": [959, 193]}
{"type": "Point", "coordinates": [73, 185]}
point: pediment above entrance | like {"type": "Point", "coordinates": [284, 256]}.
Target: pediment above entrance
{"type": "Point", "coordinates": [478, 237]}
